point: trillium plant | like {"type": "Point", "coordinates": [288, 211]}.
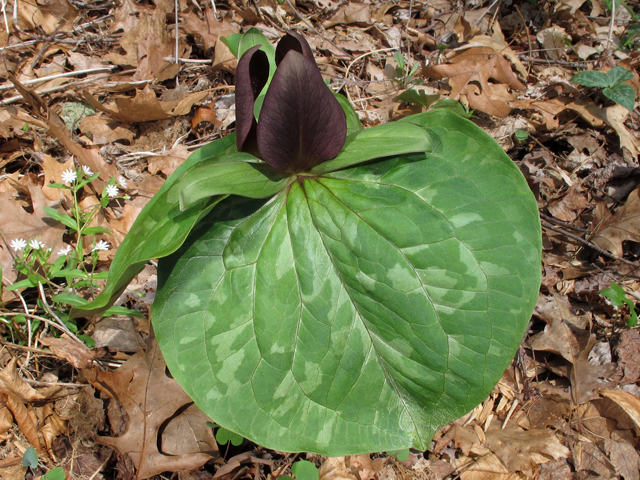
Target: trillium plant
{"type": "Point", "coordinates": [332, 289]}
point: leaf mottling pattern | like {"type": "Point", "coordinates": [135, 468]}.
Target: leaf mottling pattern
{"type": "Point", "coordinates": [360, 310]}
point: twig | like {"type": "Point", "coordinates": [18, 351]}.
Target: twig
{"type": "Point", "coordinates": [562, 63]}
{"type": "Point", "coordinates": [566, 225]}
{"type": "Point", "coordinates": [613, 19]}
{"type": "Point", "coordinates": [346, 73]}
{"type": "Point", "coordinates": [62, 75]}
{"type": "Point", "coordinates": [589, 244]}
{"type": "Point", "coordinates": [306, 22]}
{"type": "Point", "coordinates": [187, 60]}
{"type": "Point", "coordinates": [177, 55]}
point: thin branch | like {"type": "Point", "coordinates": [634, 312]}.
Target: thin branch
{"type": "Point", "coordinates": [62, 75]}
{"type": "Point", "coordinates": [566, 225]}
{"type": "Point", "coordinates": [589, 244]}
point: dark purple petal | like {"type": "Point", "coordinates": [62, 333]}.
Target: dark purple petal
{"type": "Point", "coordinates": [301, 123]}
{"type": "Point", "coordinates": [251, 77]}
{"type": "Point", "coordinates": [293, 41]}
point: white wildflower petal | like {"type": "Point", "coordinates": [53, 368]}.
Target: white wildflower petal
{"type": "Point", "coordinates": [112, 191]}
{"type": "Point", "coordinates": [36, 244]}
{"type": "Point", "coordinates": [87, 170]}
{"type": "Point", "coordinates": [65, 251]}
{"type": "Point", "coordinates": [69, 176]}
{"type": "Point", "coordinates": [18, 244]}
{"type": "Point", "coordinates": [101, 245]}
{"type": "Point", "coordinates": [122, 181]}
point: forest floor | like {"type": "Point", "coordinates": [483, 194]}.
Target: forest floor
{"type": "Point", "coordinates": [95, 85]}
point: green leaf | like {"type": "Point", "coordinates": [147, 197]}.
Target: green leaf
{"type": "Point", "coordinates": [56, 473]}
{"type": "Point", "coordinates": [95, 231]}
{"type": "Point", "coordinates": [160, 229]}
{"type": "Point", "coordinates": [305, 470]}
{"type": "Point", "coordinates": [88, 340]}
{"type": "Point", "coordinates": [623, 94]}
{"type": "Point", "coordinates": [233, 174]}
{"type": "Point", "coordinates": [591, 78]}
{"type": "Point", "coordinates": [70, 299]}
{"type": "Point", "coordinates": [361, 310]}
{"type": "Point", "coordinates": [30, 458]}
{"type": "Point", "coordinates": [401, 455]}
{"type": "Point", "coordinates": [418, 98]}
{"type": "Point", "coordinates": [619, 75]}
{"type": "Point", "coordinates": [119, 310]}
{"type": "Point", "coordinates": [223, 436]}
{"type": "Point", "coordinates": [376, 142]}
{"type": "Point", "coordinates": [618, 297]}
{"type": "Point", "coordinates": [26, 283]}
{"type": "Point", "coordinates": [353, 121]}
{"type": "Point", "coordinates": [70, 273]}
{"type": "Point", "coordinates": [65, 219]}
{"type": "Point", "coordinates": [521, 135]}
{"type": "Point", "coordinates": [452, 105]}
{"type": "Point", "coordinates": [232, 42]}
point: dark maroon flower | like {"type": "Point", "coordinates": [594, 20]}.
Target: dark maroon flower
{"type": "Point", "coordinates": [301, 123]}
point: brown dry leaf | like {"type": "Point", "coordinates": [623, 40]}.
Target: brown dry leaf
{"type": "Point", "coordinates": [336, 468]}
{"type": "Point", "coordinates": [500, 45]}
{"type": "Point", "coordinates": [146, 45]}
{"type": "Point", "coordinates": [53, 123]}
{"type": "Point", "coordinates": [187, 433]}
{"type": "Point", "coordinates": [465, 30]}
{"type": "Point", "coordinates": [587, 379]}
{"type": "Point", "coordinates": [628, 402]}
{"type": "Point", "coordinates": [615, 229]}
{"type": "Point", "coordinates": [51, 426]}
{"type": "Point", "coordinates": [12, 383]}
{"type": "Point", "coordinates": [103, 130]}
{"type": "Point", "coordinates": [624, 458]}
{"type": "Point", "coordinates": [523, 450]}
{"type": "Point", "coordinates": [628, 352]}
{"type": "Point", "coordinates": [125, 15]}
{"type": "Point", "coordinates": [25, 419]}
{"type": "Point", "coordinates": [616, 116]}
{"type": "Point", "coordinates": [350, 12]}
{"type": "Point", "coordinates": [6, 421]}
{"type": "Point", "coordinates": [488, 467]}
{"type": "Point", "coordinates": [13, 470]}
{"type": "Point", "coordinates": [53, 170]}
{"type": "Point", "coordinates": [469, 73]}
{"type": "Point", "coordinates": [52, 16]}
{"type": "Point", "coordinates": [73, 352]}
{"type": "Point", "coordinates": [552, 40]}
{"type": "Point", "coordinates": [587, 457]}
{"type": "Point", "coordinates": [169, 161]}
{"type": "Point", "coordinates": [145, 106]}
{"type": "Point", "coordinates": [150, 398]}
{"type": "Point", "coordinates": [209, 29]}
{"type": "Point", "coordinates": [205, 114]}
{"type": "Point", "coordinates": [571, 205]}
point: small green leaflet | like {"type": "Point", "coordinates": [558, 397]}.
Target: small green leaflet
{"type": "Point", "coordinates": [618, 298]}
{"type": "Point", "coordinates": [224, 436]}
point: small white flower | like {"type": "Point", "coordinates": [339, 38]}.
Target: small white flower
{"type": "Point", "coordinates": [87, 170]}
{"type": "Point", "coordinates": [101, 245]}
{"type": "Point", "coordinates": [36, 244]}
{"type": "Point", "coordinates": [122, 181]}
{"type": "Point", "coordinates": [18, 244]}
{"type": "Point", "coordinates": [112, 191]}
{"type": "Point", "coordinates": [69, 176]}
{"type": "Point", "coordinates": [65, 251]}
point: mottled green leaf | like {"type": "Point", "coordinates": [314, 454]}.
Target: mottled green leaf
{"type": "Point", "coordinates": [623, 94]}
{"type": "Point", "coordinates": [591, 78]}
{"type": "Point", "coordinates": [353, 121]}
{"type": "Point", "coordinates": [361, 310]}
{"type": "Point", "coordinates": [381, 141]}
{"type": "Point", "coordinates": [160, 229]}
{"type": "Point", "coordinates": [619, 75]}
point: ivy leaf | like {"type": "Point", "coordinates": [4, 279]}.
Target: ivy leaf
{"type": "Point", "coordinates": [591, 78]}
{"type": "Point", "coordinates": [360, 310]}
{"type": "Point", "coordinates": [623, 94]}
{"type": "Point", "coordinates": [619, 75]}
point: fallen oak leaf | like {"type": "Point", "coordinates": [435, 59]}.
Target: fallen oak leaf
{"type": "Point", "coordinates": [150, 398]}
{"type": "Point", "coordinates": [73, 352]}
{"type": "Point", "coordinates": [612, 230]}
{"type": "Point", "coordinates": [469, 73]}
{"type": "Point", "coordinates": [25, 419]}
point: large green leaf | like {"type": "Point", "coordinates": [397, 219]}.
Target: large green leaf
{"type": "Point", "coordinates": [159, 229]}
{"type": "Point", "coordinates": [357, 311]}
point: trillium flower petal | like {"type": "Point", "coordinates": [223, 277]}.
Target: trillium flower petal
{"type": "Point", "coordinates": [293, 41]}
{"type": "Point", "coordinates": [301, 123]}
{"type": "Point", "coordinates": [252, 75]}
